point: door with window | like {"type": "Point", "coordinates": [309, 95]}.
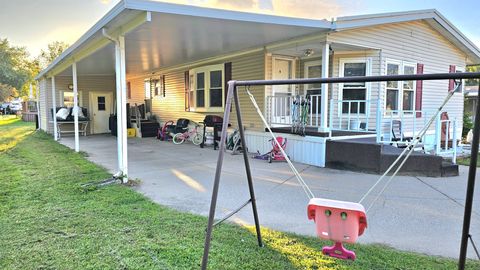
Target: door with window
{"type": "Point", "coordinates": [282, 69]}
{"type": "Point", "coordinates": [354, 94]}
{"type": "Point", "coordinates": [100, 108]}
{"type": "Point", "coordinates": [313, 69]}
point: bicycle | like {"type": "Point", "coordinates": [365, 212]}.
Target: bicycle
{"type": "Point", "coordinates": [193, 135]}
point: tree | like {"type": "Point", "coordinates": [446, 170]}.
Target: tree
{"type": "Point", "coordinates": [13, 63]}
{"type": "Point", "coordinates": [54, 49]}
{"type": "Point", "coordinates": [7, 92]}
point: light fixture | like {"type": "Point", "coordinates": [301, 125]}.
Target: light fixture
{"type": "Point", "coordinates": [70, 87]}
{"type": "Point", "coordinates": [308, 52]}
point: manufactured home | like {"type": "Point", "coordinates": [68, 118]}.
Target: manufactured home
{"type": "Point", "coordinates": [174, 61]}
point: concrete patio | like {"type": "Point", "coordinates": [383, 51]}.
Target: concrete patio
{"type": "Point", "coordinates": [415, 213]}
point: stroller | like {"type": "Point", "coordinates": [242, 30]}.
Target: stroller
{"type": "Point", "coordinates": [234, 143]}
{"type": "Point", "coordinates": [275, 154]}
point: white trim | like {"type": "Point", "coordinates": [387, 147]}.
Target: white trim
{"type": "Point", "coordinates": [54, 106]}
{"type": "Point", "coordinates": [75, 106]}
{"type": "Point", "coordinates": [92, 103]}
{"type": "Point", "coordinates": [206, 70]}
{"type": "Point", "coordinates": [306, 65]}
{"type": "Point", "coordinates": [349, 22]}
{"type": "Point", "coordinates": [401, 69]}
{"type": "Point", "coordinates": [368, 72]}
{"type": "Point", "coordinates": [169, 8]}
{"type": "Point", "coordinates": [80, 97]}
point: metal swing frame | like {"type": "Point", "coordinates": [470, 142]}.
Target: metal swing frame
{"type": "Point", "coordinates": [232, 93]}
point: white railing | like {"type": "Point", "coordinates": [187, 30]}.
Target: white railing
{"type": "Point", "coordinates": [279, 110]}
{"type": "Point", "coordinates": [398, 127]}
{"type": "Point", "coordinates": [350, 115]}
{"type": "Point", "coordinates": [446, 139]}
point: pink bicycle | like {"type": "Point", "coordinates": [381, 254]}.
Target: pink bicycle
{"type": "Point", "coordinates": [193, 135]}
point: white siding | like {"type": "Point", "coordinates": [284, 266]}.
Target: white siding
{"type": "Point", "coordinates": [415, 42]}
{"type": "Point", "coordinates": [171, 107]}
{"type": "Point", "coordinates": [85, 85]}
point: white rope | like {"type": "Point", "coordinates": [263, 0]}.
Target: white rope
{"type": "Point", "coordinates": [410, 148]}
{"type": "Point", "coordinates": [297, 174]}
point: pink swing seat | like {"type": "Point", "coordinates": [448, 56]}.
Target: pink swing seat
{"type": "Point", "coordinates": [338, 221]}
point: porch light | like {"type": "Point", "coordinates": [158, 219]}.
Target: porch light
{"type": "Point", "coordinates": [308, 52]}
{"type": "Point", "coordinates": [70, 87]}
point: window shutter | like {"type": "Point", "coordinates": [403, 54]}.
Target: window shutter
{"type": "Point", "coordinates": [187, 85]}
{"type": "Point", "coordinates": [418, 92]}
{"type": "Point", "coordinates": [163, 85]}
{"type": "Point", "coordinates": [451, 83]}
{"type": "Point", "coordinates": [129, 90]}
{"type": "Point", "coordinates": [228, 77]}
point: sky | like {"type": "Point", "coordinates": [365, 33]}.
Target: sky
{"type": "Point", "coordinates": [35, 23]}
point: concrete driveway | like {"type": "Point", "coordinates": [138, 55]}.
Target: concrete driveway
{"type": "Point", "coordinates": [415, 213]}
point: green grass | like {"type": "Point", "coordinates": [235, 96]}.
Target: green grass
{"type": "Point", "coordinates": [48, 222]}
{"type": "Point", "coordinates": [466, 161]}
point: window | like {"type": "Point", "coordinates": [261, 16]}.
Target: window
{"type": "Point", "coordinates": [148, 89]}
{"type": "Point", "coordinates": [354, 90]}
{"type": "Point", "coordinates": [101, 103]}
{"type": "Point", "coordinates": [206, 91]}
{"type": "Point", "coordinates": [400, 95]}
{"type": "Point", "coordinates": [313, 69]}
{"type": "Point", "coordinates": [67, 97]}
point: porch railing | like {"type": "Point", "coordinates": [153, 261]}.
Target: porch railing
{"type": "Point", "coordinates": [279, 110]}
{"type": "Point", "coordinates": [350, 115]}
{"type": "Point", "coordinates": [397, 126]}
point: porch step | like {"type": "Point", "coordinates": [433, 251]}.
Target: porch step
{"type": "Point", "coordinates": [449, 169]}
{"type": "Point", "coordinates": [366, 155]}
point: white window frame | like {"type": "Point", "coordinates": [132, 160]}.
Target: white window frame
{"type": "Point", "coordinates": [401, 71]}
{"type": "Point", "coordinates": [461, 69]}
{"type": "Point", "coordinates": [193, 88]}
{"type": "Point", "coordinates": [80, 99]}
{"type": "Point", "coordinates": [307, 65]}
{"type": "Point", "coordinates": [341, 72]}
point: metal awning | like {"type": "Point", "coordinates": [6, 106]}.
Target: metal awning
{"type": "Point", "coordinates": [175, 34]}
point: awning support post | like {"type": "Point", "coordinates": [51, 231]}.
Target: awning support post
{"type": "Point", "coordinates": [54, 106]}
{"type": "Point", "coordinates": [324, 98]}
{"type": "Point", "coordinates": [121, 94]}
{"type": "Point", "coordinates": [75, 106]}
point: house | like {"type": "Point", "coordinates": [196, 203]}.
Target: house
{"type": "Point", "coordinates": [177, 59]}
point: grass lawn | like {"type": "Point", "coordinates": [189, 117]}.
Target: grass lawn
{"type": "Point", "coordinates": [466, 161]}
{"type": "Point", "coordinates": [48, 222]}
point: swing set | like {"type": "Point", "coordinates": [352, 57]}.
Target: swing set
{"type": "Point", "coordinates": [338, 221]}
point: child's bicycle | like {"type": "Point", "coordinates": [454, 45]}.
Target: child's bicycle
{"type": "Point", "coordinates": [193, 135]}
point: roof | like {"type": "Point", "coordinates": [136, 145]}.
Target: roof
{"type": "Point", "coordinates": [176, 33]}
{"type": "Point", "coordinates": [264, 28]}
{"type": "Point", "coordinates": [432, 16]}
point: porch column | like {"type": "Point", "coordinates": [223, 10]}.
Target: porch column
{"type": "Point", "coordinates": [324, 98]}
{"type": "Point", "coordinates": [75, 106]}
{"type": "Point", "coordinates": [121, 94]}
{"type": "Point", "coordinates": [54, 106]}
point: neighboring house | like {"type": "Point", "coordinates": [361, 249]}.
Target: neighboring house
{"type": "Point", "coordinates": [178, 59]}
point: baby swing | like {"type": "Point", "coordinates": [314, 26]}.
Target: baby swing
{"type": "Point", "coordinates": [341, 221]}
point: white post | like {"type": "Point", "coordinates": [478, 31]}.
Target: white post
{"type": "Point", "coordinates": [378, 123]}
{"type": "Point", "coordinates": [38, 109]}
{"type": "Point", "coordinates": [121, 93]}
{"type": "Point", "coordinates": [30, 93]}
{"type": "Point", "coordinates": [75, 106]}
{"type": "Point", "coordinates": [324, 99]}
{"type": "Point", "coordinates": [54, 106]}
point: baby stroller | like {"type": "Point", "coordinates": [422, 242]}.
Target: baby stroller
{"type": "Point", "coordinates": [275, 154]}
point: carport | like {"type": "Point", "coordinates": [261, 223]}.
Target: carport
{"type": "Point", "coordinates": [137, 37]}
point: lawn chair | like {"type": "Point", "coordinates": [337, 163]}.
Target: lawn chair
{"type": "Point", "coordinates": [398, 136]}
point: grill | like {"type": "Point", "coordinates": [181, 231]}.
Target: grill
{"type": "Point", "coordinates": [215, 122]}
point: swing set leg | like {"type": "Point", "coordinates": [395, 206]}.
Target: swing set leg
{"type": "Point", "coordinates": [232, 92]}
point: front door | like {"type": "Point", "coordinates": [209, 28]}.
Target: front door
{"type": "Point", "coordinates": [282, 94]}
{"type": "Point", "coordinates": [101, 108]}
